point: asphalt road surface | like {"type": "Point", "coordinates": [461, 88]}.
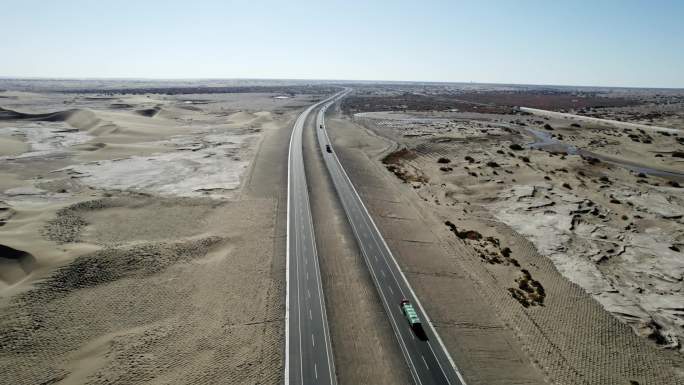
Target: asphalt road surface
{"type": "Point", "coordinates": [428, 360]}
{"type": "Point", "coordinates": [308, 354]}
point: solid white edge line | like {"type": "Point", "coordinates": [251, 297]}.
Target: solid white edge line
{"type": "Point", "coordinates": [297, 127]}
{"type": "Point", "coordinates": [427, 318]}
{"type": "Point", "coordinates": [287, 267]}
{"type": "Point", "coordinates": [297, 244]}
{"type": "Point", "coordinates": [386, 305]}
{"type": "Point", "coordinates": [319, 283]}
{"type": "Point", "coordinates": [438, 363]}
{"type": "Point", "coordinates": [287, 256]}
{"type": "Point", "coordinates": [287, 241]}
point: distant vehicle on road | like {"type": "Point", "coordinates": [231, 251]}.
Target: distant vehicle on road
{"type": "Point", "coordinates": [327, 148]}
{"type": "Point", "coordinates": [321, 127]}
{"type": "Point", "coordinates": [413, 319]}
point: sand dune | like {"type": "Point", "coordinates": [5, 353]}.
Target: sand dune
{"type": "Point", "coordinates": [149, 112]}
{"type": "Point", "coordinates": [135, 285]}
{"type": "Point", "coordinates": [122, 106]}
{"type": "Point", "coordinates": [241, 117]}
{"type": "Point", "coordinates": [77, 118]}
{"type": "Point", "coordinates": [124, 124]}
{"type": "Point", "coordinates": [12, 146]}
{"type": "Point", "coordinates": [134, 127]}
{"type": "Point", "coordinates": [105, 129]}
{"type": "Point", "coordinates": [15, 265]}
{"type": "Point", "coordinates": [43, 139]}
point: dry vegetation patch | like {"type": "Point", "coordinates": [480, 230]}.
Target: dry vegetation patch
{"type": "Point", "coordinates": [395, 162]}
{"type": "Point", "coordinates": [529, 291]}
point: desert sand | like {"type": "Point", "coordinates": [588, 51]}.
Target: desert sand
{"type": "Point", "coordinates": [138, 240]}
{"type": "Point", "coordinates": [565, 249]}
{"type": "Point", "coordinates": [142, 230]}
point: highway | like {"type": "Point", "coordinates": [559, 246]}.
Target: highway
{"type": "Point", "coordinates": [308, 354]}
{"type": "Point", "coordinates": [428, 360]}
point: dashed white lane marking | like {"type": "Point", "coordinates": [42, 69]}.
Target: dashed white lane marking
{"type": "Point", "coordinates": [313, 342]}
{"type": "Point", "coordinates": [310, 314]}
{"type": "Point", "coordinates": [390, 289]}
{"type": "Point", "coordinates": [383, 273]}
{"type": "Point", "coordinates": [308, 293]}
{"type": "Point", "coordinates": [316, 371]}
{"type": "Point", "coordinates": [425, 362]}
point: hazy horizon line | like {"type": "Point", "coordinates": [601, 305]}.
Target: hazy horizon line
{"type": "Point", "coordinates": [330, 80]}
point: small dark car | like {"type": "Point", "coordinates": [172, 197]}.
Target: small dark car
{"type": "Point", "coordinates": [327, 148]}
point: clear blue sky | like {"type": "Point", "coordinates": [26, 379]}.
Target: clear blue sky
{"type": "Point", "coordinates": [611, 43]}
